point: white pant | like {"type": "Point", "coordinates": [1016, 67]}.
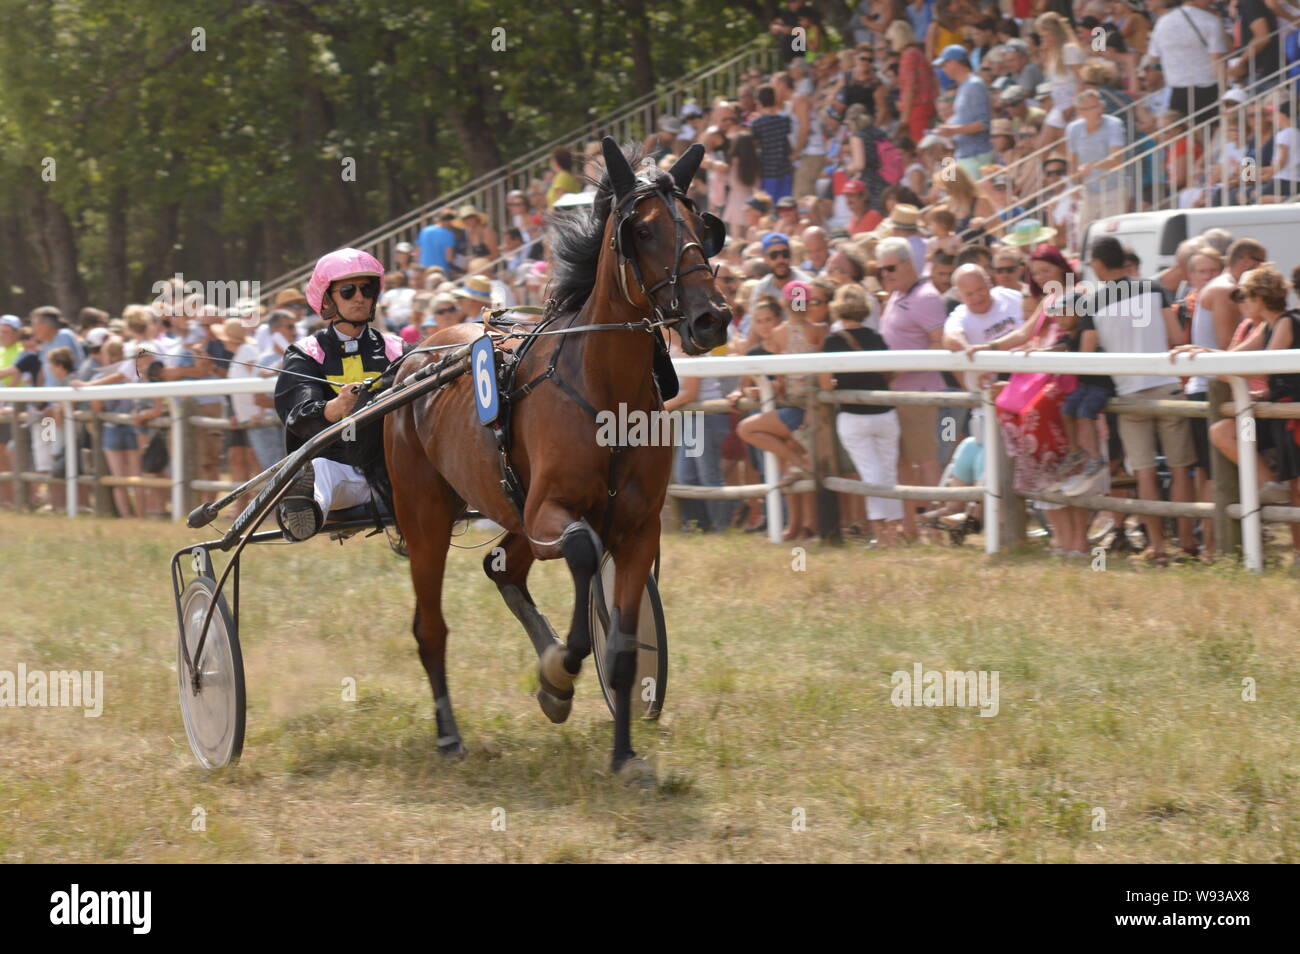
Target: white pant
{"type": "Point", "coordinates": [872, 443]}
{"type": "Point", "coordinates": [338, 486]}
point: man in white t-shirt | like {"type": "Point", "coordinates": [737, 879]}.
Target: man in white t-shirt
{"type": "Point", "coordinates": [1127, 317]}
{"type": "Point", "coordinates": [1189, 41]}
{"type": "Point", "coordinates": [987, 312]}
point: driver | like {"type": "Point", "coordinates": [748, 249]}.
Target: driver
{"type": "Point", "coordinates": [343, 290]}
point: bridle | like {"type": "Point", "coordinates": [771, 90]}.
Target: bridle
{"type": "Point", "coordinates": [624, 216]}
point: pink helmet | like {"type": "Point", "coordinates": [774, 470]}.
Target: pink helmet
{"type": "Point", "coordinates": [338, 265]}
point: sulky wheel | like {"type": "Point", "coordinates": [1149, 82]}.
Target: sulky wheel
{"type": "Point", "coordinates": [651, 635]}
{"type": "Point", "coordinates": [211, 693]}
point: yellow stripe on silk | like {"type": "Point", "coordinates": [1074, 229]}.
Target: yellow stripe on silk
{"type": "Point", "coordinates": [353, 371]}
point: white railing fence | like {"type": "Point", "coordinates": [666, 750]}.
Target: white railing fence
{"type": "Point", "coordinates": [1235, 367]}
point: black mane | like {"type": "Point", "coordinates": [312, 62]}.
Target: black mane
{"type": "Point", "coordinates": [574, 238]}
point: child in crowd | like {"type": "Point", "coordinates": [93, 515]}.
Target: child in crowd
{"type": "Point", "coordinates": [942, 224]}
{"type": "Point", "coordinates": [1085, 461]}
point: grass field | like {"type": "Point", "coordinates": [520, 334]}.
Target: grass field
{"type": "Point", "coordinates": [1120, 691]}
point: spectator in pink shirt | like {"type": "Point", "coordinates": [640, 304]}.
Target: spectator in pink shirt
{"type": "Point", "coordinates": [912, 321]}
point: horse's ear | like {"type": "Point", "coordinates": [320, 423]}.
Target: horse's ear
{"type": "Point", "coordinates": [684, 169]}
{"type": "Point", "coordinates": [714, 235]}
{"type": "Point", "coordinates": [620, 173]}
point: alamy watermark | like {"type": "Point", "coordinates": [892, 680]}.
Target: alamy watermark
{"type": "Point", "coordinates": [73, 907]}
{"type": "Point", "coordinates": [38, 689]}
{"type": "Point", "coordinates": [931, 687]}
{"type": "Point", "coordinates": [637, 428]}
{"type": "Point", "coordinates": [226, 297]}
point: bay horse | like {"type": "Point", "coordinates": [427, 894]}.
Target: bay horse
{"type": "Point", "coordinates": [441, 459]}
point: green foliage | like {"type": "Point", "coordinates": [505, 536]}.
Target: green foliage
{"type": "Point", "coordinates": [232, 141]}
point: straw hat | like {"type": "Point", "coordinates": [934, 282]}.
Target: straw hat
{"type": "Point", "coordinates": [477, 288]}
{"type": "Point", "coordinates": [289, 296]}
{"type": "Point", "coordinates": [904, 216]}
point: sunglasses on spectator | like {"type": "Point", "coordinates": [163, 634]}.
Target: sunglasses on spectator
{"type": "Point", "coordinates": [888, 269]}
{"type": "Point", "coordinates": [446, 311]}
{"type": "Point", "coordinates": [1054, 172]}
{"type": "Point", "coordinates": [367, 289]}
{"type": "Point", "coordinates": [728, 281]}
{"type": "Point", "coordinates": [779, 253]}
{"type": "Point", "coordinates": [1005, 269]}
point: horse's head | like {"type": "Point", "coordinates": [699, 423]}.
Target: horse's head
{"type": "Point", "coordinates": [658, 236]}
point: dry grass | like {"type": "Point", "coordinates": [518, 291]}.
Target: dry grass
{"type": "Point", "coordinates": [1119, 690]}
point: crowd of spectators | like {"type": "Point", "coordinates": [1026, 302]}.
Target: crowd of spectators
{"type": "Point", "coordinates": [876, 195]}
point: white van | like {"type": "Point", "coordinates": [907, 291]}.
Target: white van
{"type": "Point", "coordinates": [1154, 236]}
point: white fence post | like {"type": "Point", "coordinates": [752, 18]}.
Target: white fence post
{"type": "Point", "coordinates": [992, 473]}
{"type": "Point", "coordinates": [71, 453]}
{"type": "Point", "coordinates": [771, 475]}
{"type": "Point", "coordinates": [174, 408]}
{"type": "Point", "coordinates": [1252, 537]}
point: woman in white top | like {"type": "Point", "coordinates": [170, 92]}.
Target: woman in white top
{"type": "Point", "coordinates": [1061, 59]}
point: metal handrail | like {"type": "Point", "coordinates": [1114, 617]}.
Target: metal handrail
{"type": "Point", "coordinates": [487, 191]}
{"type": "Point", "coordinates": [1126, 113]}
{"type": "Point", "coordinates": [1207, 128]}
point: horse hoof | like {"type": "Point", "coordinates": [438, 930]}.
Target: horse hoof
{"type": "Point", "coordinates": [557, 710]}
{"type": "Point", "coordinates": [556, 693]}
{"type": "Point", "coordinates": [636, 773]}
{"type": "Point", "coordinates": [453, 750]}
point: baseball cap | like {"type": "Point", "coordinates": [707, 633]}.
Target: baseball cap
{"type": "Point", "coordinates": [854, 186]}
{"type": "Point", "coordinates": [96, 336]}
{"type": "Point", "coordinates": [1011, 95]}
{"type": "Point", "coordinates": [952, 53]}
{"type": "Point", "coordinates": [775, 238]}
{"type": "Point", "coordinates": [13, 321]}
{"type": "Point", "coordinates": [1235, 95]}
{"type": "Point", "coordinates": [402, 247]}
{"type": "Point", "coordinates": [787, 202]}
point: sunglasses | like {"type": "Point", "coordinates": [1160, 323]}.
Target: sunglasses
{"type": "Point", "coordinates": [1053, 172]}
{"type": "Point", "coordinates": [446, 311]}
{"type": "Point", "coordinates": [1005, 269]}
{"type": "Point", "coordinates": [367, 289]}
{"type": "Point", "coordinates": [779, 253]}
{"type": "Point", "coordinates": [729, 281]}
{"type": "Point", "coordinates": [888, 269]}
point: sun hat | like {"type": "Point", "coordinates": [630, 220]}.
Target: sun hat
{"type": "Point", "coordinates": [904, 216]}
{"type": "Point", "coordinates": [476, 287]}
{"type": "Point", "coordinates": [338, 265]}
{"type": "Point", "coordinates": [790, 289]}
{"type": "Point", "coordinates": [288, 296]}
{"type": "Point", "coordinates": [1029, 232]}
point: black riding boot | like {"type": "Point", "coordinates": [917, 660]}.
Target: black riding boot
{"type": "Point", "coordinates": [299, 514]}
